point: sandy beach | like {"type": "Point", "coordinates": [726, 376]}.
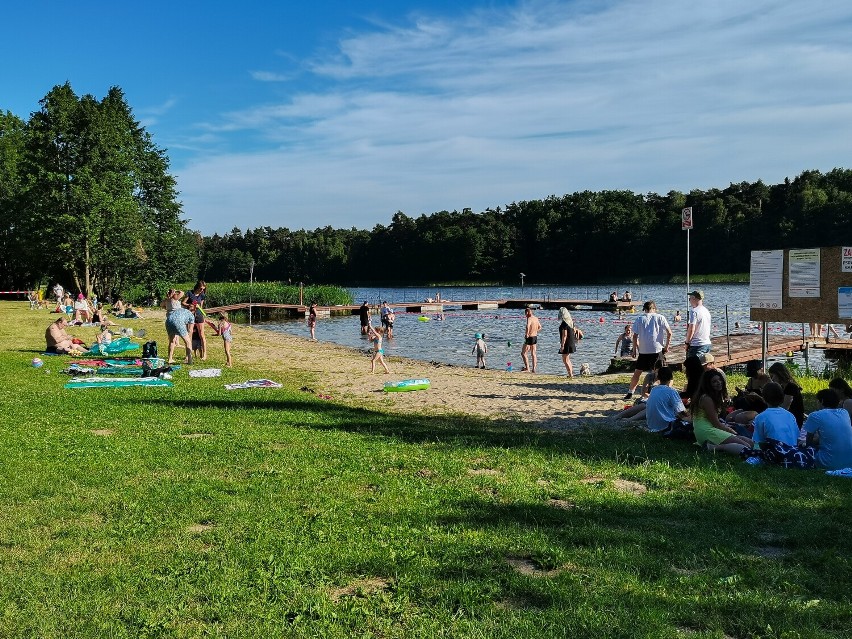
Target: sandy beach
{"type": "Point", "coordinates": [342, 373]}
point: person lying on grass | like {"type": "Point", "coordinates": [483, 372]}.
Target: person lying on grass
{"type": "Point", "coordinates": [711, 432]}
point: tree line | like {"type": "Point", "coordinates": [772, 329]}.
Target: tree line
{"type": "Point", "coordinates": [584, 237]}
{"type": "Point", "coordinates": [86, 198]}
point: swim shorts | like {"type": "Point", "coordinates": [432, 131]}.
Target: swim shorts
{"type": "Point", "coordinates": [646, 361]}
{"type": "Point", "coordinates": [529, 341]}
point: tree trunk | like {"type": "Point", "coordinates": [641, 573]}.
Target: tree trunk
{"type": "Point", "coordinates": [87, 269]}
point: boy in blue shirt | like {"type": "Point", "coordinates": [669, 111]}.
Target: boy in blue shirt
{"type": "Point", "coordinates": [832, 427]}
{"type": "Point", "coordinates": [775, 422]}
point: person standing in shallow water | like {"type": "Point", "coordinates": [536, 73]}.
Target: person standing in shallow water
{"type": "Point", "coordinates": [312, 320]}
{"type": "Point", "coordinates": [364, 316]}
{"type": "Point", "coordinates": [568, 336]}
{"type": "Point", "coordinates": [529, 348]}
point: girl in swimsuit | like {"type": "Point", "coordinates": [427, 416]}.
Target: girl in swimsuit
{"type": "Point", "coordinates": [375, 334]}
{"type": "Point", "coordinates": [224, 329]}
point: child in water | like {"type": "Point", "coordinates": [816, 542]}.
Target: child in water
{"type": "Point", "coordinates": [224, 329]}
{"type": "Point", "coordinates": [375, 334]}
{"type": "Point", "coordinates": [480, 348]}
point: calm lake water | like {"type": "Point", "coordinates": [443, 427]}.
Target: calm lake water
{"type": "Point", "coordinates": [451, 340]}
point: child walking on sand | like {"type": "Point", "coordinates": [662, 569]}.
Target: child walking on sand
{"type": "Point", "coordinates": [375, 334]}
{"type": "Point", "coordinates": [480, 348]}
{"type": "Point", "coordinates": [224, 329]}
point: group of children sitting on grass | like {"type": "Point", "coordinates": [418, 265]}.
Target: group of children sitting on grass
{"type": "Point", "coordinates": [765, 422]}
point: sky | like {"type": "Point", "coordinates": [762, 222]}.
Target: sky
{"type": "Point", "coordinates": [342, 112]}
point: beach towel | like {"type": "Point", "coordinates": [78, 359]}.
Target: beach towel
{"type": "Point", "coordinates": [254, 383]}
{"type": "Point", "coordinates": [206, 372]}
{"type": "Point", "coordinates": [841, 472]}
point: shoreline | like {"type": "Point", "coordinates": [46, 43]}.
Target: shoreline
{"type": "Point", "coordinates": [343, 373]}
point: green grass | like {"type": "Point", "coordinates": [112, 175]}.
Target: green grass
{"type": "Point", "coordinates": [316, 519]}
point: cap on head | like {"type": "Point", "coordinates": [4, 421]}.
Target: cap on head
{"type": "Point", "coordinates": [706, 358]}
{"type": "Point", "coordinates": [697, 294]}
{"type": "Point", "coordinates": [477, 335]}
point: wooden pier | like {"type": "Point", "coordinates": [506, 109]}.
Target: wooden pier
{"type": "Point", "coordinates": [739, 348]}
{"type": "Point", "coordinates": [299, 310]}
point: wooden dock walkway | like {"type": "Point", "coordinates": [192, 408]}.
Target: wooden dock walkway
{"type": "Point", "coordinates": [299, 310]}
{"type": "Point", "coordinates": [739, 348]}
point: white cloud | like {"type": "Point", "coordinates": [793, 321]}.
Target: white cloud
{"type": "Point", "coordinates": [269, 76]}
{"type": "Point", "coordinates": [150, 115]}
{"type": "Point", "coordinates": [548, 98]}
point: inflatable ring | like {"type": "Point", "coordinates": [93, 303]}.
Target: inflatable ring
{"type": "Point", "coordinates": [423, 318]}
{"type": "Point", "coordinates": [406, 385]}
{"type": "Point", "coordinates": [119, 345]}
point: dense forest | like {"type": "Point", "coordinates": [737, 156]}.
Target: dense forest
{"type": "Point", "coordinates": [86, 198]}
{"type": "Point", "coordinates": [584, 237]}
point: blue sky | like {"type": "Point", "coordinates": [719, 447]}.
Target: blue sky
{"type": "Point", "coordinates": [340, 113]}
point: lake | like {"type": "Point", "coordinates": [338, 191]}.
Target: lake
{"type": "Point", "coordinates": [451, 340]}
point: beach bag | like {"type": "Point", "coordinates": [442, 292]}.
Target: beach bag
{"type": "Point", "coordinates": [781, 454]}
{"type": "Point", "coordinates": [149, 349]}
{"type": "Point", "coordinates": [678, 429]}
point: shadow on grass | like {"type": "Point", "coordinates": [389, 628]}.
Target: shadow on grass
{"type": "Point", "coordinates": [595, 438]}
{"type": "Point", "coordinates": [650, 554]}
{"type": "Point", "coordinates": [409, 428]}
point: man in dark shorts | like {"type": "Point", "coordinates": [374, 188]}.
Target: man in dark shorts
{"type": "Point", "coordinates": [364, 314]}
{"type": "Point", "coordinates": [652, 336]}
{"type": "Point", "coordinates": [530, 341]}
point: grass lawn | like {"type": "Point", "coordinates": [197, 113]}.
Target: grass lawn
{"type": "Point", "coordinates": [200, 512]}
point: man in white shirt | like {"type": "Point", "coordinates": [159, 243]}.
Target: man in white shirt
{"type": "Point", "coordinates": [698, 325]}
{"type": "Point", "coordinates": [651, 338]}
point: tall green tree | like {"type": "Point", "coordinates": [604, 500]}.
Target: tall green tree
{"type": "Point", "coordinates": [101, 196]}
{"type": "Point", "coordinates": [16, 266]}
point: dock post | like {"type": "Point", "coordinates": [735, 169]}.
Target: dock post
{"type": "Point", "coordinates": [251, 286]}
{"type": "Point", "coordinates": [728, 331]}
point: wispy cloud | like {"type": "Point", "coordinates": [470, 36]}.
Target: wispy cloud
{"type": "Point", "coordinates": [151, 114]}
{"type": "Point", "coordinates": [270, 76]}
{"type": "Point", "coordinates": [542, 98]}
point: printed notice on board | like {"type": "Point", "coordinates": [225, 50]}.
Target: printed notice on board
{"type": "Point", "coordinates": [844, 302]}
{"type": "Point", "coordinates": [846, 259]}
{"type": "Point", "coordinates": [804, 272]}
{"type": "Point", "coordinates": [766, 279]}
